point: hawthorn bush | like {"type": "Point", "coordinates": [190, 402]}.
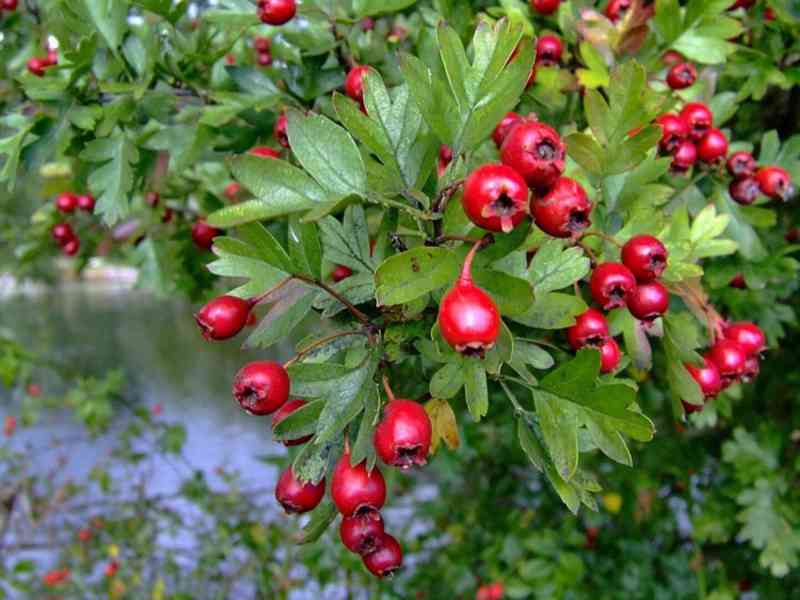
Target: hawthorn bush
{"type": "Point", "coordinates": [559, 226]}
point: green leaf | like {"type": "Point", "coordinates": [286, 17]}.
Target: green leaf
{"type": "Point", "coordinates": [110, 18]}
{"type": "Point", "coordinates": [302, 422]}
{"type": "Point", "coordinates": [305, 249]}
{"type": "Point", "coordinates": [605, 435]}
{"type": "Point", "coordinates": [533, 355]}
{"type": "Point", "coordinates": [554, 268]}
{"type": "Point", "coordinates": [321, 519]}
{"type": "Point", "coordinates": [680, 340]}
{"type": "Point", "coordinates": [356, 289]}
{"type": "Point", "coordinates": [560, 431]}
{"type": "Point", "coordinates": [512, 294]}
{"type": "Point", "coordinates": [552, 310]}
{"type": "Point", "coordinates": [266, 245]}
{"type": "Point", "coordinates": [292, 304]}
{"type": "Point", "coordinates": [364, 448]}
{"type": "Point", "coordinates": [574, 378]}
{"type": "Point", "coordinates": [347, 243]}
{"type": "Point", "coordinates": [475, 388]}
{"type": "Point", "coordinates": [112, 181]}
{"type": "Point", "coordinates": [584, 150]}
{"type": "Point", "coordinates": [531, 446]}
{"type": "Point", "coordinates": [237, 258]}
{"type": "Point", "coordinates": [158, 265]}
{"type": "Point", "coordinates": [364, 8]}
{"type": "Point", "coordinates": [747, 240]}
{"type": "Point", "coordinates": [12, 146]}
{"type": "Point", "coordinates": [448, 380]}
{"type": "Point", "coordinates": [406, 276]}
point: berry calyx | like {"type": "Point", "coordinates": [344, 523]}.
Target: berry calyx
{"type": "Point", "coordinates": [261, 387]}
{"type": "Point", "coordinates": [362, 533]}
{"type": "Point", "coordinates": [298, 497]}
{"type": "Point", "coordinates": [86, 203]}
{"type": "Point", "coordinates": [280, 130]}
{"type": "Point", "coordinates": [649, 301]}
{"type": "Point", "coordinates": [535, 151]}
{"type": "Point", "coordinates": [354, 83]}
{"type": "Point", "coordinates": [775, 182]}
{"type": "Point", "coordinates": [203, 234]}
{"type": "Point", "coordinates": [341, 272]}
{"type": "Point", "coordinates": [387, 559]}
{"type": "Point", "coordinates": [674, 130]}
{"type": "Point", "coordinates": [611, 284]}
{"type": "Point", "coordinates": [468, 318]}
{"type": "Point", "coordinates": [609, 356]}
{"type": "Point", "coordinates": [66, 202]}
{"type": "Point", "coordinates": [616, 9]}
{"type": "Point", "coordinates": [545, 7]}
{"type": "Point", "coordinates": [684, 156]}
{"type": "Point", "coordinates": [741, 164]}
{"type": "Point", "coordinates": [548, 50]}
{"type": "Point", "coordinates": [223, 317]}
{"type": "Point", "coordinates": [503, 127]}
{"type": "Point", "coordinates": [276, 12]}
{"type": "Point", "coordinates": [71, 246]}
{"type": "Point", "coordinates": [403, 437]}
{"type": "Point", "coordinates": [62, 233]}
{"type": "Point", "coordinates": [745, 190]}
{"type": "Point", "coordinates": [681, 76]}
{"type": "Point", "coordinates": [495, 197]}
{"type": "Point", "coordinates": [284, 411]}
{"type": "Point", "coordinates": [564, 211]}
{"type": "Point", "coordinates": [748, 335]}
{"type": "Point", "coordinates": [730, 359]}
{"type": "Point", "coordinates": [713, 146]}
{"type": "Point", "coordinates": [707, 377]}
{"type": "Point", "coordinates": [590, 329]}
{"type": "Point", "coordinates": [645, 256]}
{"type": "Point", "coordinates": [264, 152]}
{"type": "Point", "coordinates": [354, 489]}
{"type": "Point", "coordinates": [698, 118]}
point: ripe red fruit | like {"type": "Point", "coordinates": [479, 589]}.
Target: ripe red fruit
{"type": "Point", "coordinates": [66, 202]}
{"type": "Point", "coordinates": [748, 335]}
{"type": "Point", "coordinates": [387, 559]}
{"type": "Point", "coordinates": [52, 58]}
{"type": "Point", "coordinates": [548, 50]}
{"type": "Point", "coordinates": [742, 4]}
{"type": "Point", "coordinates": [264, 59]}
{"type": "Point", "coordinates": [707, 377]}
{"type": "Point", "coordinates": [203, 234]}
{"type": "Point", "coordinates": [354, 83]}
{"type": "Point", "coordinates": [645, 256]}
{"type": "Point", "coordinates": [503, 127]}
{"type": "Point", "coordinates": [741, 164]}
{"type": "Point", "coordinates": [445, 157]}
{"type": "Point", "coordinates": [276, 12]}
{"type": "Point", "coordinates": [341, 272]}
{"type": "Point", "coordinates": [279, 130]}
{"type": "Point", "coordinates": [297, 497]}
{"type": "Point", "coordinates": [671, 57]}
{"type": "Point", "coordinates": [167, 215]}
{"type": "Point", "coordinates": [62, 233]}
{"type": "Point", "coordinates": [775, 182]}
{"type": "Point", "coordinates": [36, 66]}
{"type": "Point", "coordinates": [590, 329]}
{"type": "Point", "coordinates": [86, 203]}
{"type": "Point", "coordinates": [264, 152]}
{"type": "Point", "coordinates": [730, 359]}
{"type": "Point", "coordinates": [71, 246]}
{"type": "Point", "coordinates": [261, 387]}
{"type": "Point", "coordinates": [609, 356]}
{"type": "Point", "coordinates": [535, 151]}
{"type": "Point", "coordinates": [367, 24]}
{"type": "Point", "coordinates": [223, 317]}
{"type": "Point", "coordinates": [84, 535]}
{"type": "Point", "coordinates": [698, 119]}
{"type": "Point", "coordinates": [363, 532]}
{"type": "Point", "coordinates": [674, 130]}
{"type": "Point", "coordinates": [111, 569]}
{"type": "Point", "coordinates": [649, 301]}
{"type": "Point", "coordinates": [262, 44]}
{"type": "Point", "coordinates": [738, 282]}
{"type": "Point", "coordinates": [56, 577]}
{"type": "Point", "coordinates": [403, 437]}
{"type": "Point", "coordinates": [232, 190]}
{"type": "Point", "coordinates": [354, 490]}
{"type": "Point", "coordinates": [545, 7]}
{"type": "Point", "coordinates": [490, 591]}
{"type": "Point", "coordinates": [495, 197]}
{"type": "Point", "coordinates": [9, 4]}
{"type": "Point", "coordinates": [616, 9]}
{"type": "Point", "coordinates": [468, 318]}
{"type": "Point", "coordinates": [611, 284]}
{"type": "Point", "coordinates": [564, 211]}
{"type": "Point", "coordinates": [713, 146]}
{"type": "Point", "coordinates": [152, 199]}
{"type": "Point", "coordinates": [684, 156]}
{"type": "Point", "coordinates": [681, 76]}
{"type": "Point", "coordinates": [792, 235]}
{"type": "Point", "coordinates": [745, 190]}
{"type": "Point", "coordinates": [284, 411]}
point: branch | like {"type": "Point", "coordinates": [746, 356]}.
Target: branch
{"type": "Point", "coordinates": [362, 318]}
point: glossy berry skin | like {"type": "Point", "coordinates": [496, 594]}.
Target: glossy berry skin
{"type": "Point", "coordinates": [535, 151]}
{"type": "Point", "coordinates": [564, 211]}
{"type": "Point", "coordinates": [71, 246]}
{"type": "Point", "coordinates": [362, 533]}
{"type": "Point", "coordinates": [62, 233]}
{"type": "Point", "coordinates": [545, 7]}
{"type": "Point", "coordinates": [681, 76]}
{"type": "Point", "coordinates": [673, 131]}
{"type": "Point", "coordinates": [276, 12]}
{"type": "Point", "coordinates": [354, 83]}
{"type": "Point", "coordinates": [503, 127]}
{"type": "Point", "coordinates": [611, 284]}
{"type": "Point", "coordinates": [403, 437]}
{"type": "Point", "coordinates": [738, 282]}
{"type": "Point", "coordinates": [775, 182]}
{"type": "Point", "coordinates": [745, 190]}
{"type": "Point", "coordinates": [713, 146]}
{"type": "Point", "coordinates": [297, 497]}
{"type": "Point", "coordinates": [36, 66]}
{"type": "Point", "coordinates": [284, 411]}
{"type": "Point", "coordinates": [491, 591]}
{"type": "Point", "coordinates": [549, 50]}
{"type": "Point", "coordinates": [203, 234]}
{"type": "Point", "coordinates": [616, 9]}
{"type": "Point", "coordinates": [684, 156]}
{"type": "Point", "coordinates": [609, 356]}
{"type": "Point", "coordinates": [232, 190]}
{"type": "Point", "coordinates": [387, 559]}
{"type": "Point", "coordinates": [741, 164]}
{"type": "Point", "coordinates": [645, 256]}
{"type": "Point", "coordinates": [341, 272]}
{"type": "Point", "coordinates": [730, 358]}
{"type": "Point", "coordinates": [279, 130]}
{"type": "Point", "coordinates": [354, 490]}
{"type": "Point", "coordinates": [264, 59]}
{"type": "Point", "coordinates": [9, 5]}
{"type": "Point", "coordinates": [698, 119]}
{"type": "Point", "coordinates": [649, 301]}
{"type": "Point", "coordinates": [671, 57]}
{"type": "Point", "coordinates": [495, 197]}
{"type": "Point", "coordinates": [66, 202]}
{"type": "Point", "coordinates": [262, 44]}
{"type": "Point", "coordinates": [707, 377]}
{"type": "Point", "coordinates": [264, 152]}
{"type": "Point", "coordinates": [261, 387]}
{"type": "Point", "coordinates": [590, 329]}
{"type": "Point", "coordinates": [223, 317]}
{"type": "Point", "coordinates": [748, 335]}
{"type": "Point", "coordinates": [86, 203]}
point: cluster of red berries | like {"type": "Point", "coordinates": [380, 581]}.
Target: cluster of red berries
{"type": "Point", "coordinates": [748, 180]}
{"type": "Point", "coordinates": [690, 136]}
{"type": "Point", "coordinates": [276, 12]}
{"type": "Point", "coordinates": [733, 357]}
{"type": "Point", "coordinates": [62, 232]}
{"type": "Point", "coordinates": [38, 64]}
{"type": "Point", "coordinates": [262, 46]}
{"type": "Point", "coordinates": [632, 283]}
{"type": "Point", "coordinates": [490, 591]}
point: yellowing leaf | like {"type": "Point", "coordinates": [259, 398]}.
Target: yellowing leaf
{"type": "Point", "coordinates": [444, 425]}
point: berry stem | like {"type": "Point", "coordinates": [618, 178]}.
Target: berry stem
{"type": "Point", "coordinates": [588, 251]}
{"type": "Point", "coordinates": [388, 388]}
{"type": "Point", "coordinates": [362, 318]}
{"type": "Point", "coordinates": [697, 302]}
{"type": "Point", "coordinates": [603, 236]}
{"type": "Point", "coordinates": [466, 270]}
{"type": "Point", "coordinates": [319, 344]}
{"type": "Point", "coordinates": [261, 297]}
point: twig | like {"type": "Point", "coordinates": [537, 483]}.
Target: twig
{"type": "Point", "coordinates": [588, 252]}
{"type": "Point", "coordinates": [319, 344]}
{"type": "Point", "coordinates": [440, 204]}
{"type": "Point", "coordinates": [455, 238]}
{"type": "Point", "coordinates": [603, 236]}
{"type": "Point", "coordinates": [363, 319]}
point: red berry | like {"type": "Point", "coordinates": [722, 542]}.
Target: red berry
{"type": "Point", "coordinates": [748, 335]}
{"type": "Point", "coordinates": [751, 369]}
{"type": "Point", "coordinates": [261, 387]}
{"type": "Point", "coordinates": [730, 359]}
{"type": "Point", "coordinates": [649, 301]}
{"type": "Point", "coordinates": [52, 58]}
{"type": "Point", "coordinates": [354, 83]}
{"type": "Point", "coordinates": [71, 246]}
{"type": "Point", "coordinates": [279, 130]}
{"type": "Point", "coordinates": [276, 12]}
{"type": "Point", "coordinates": [548, 50]}
{"type": "Point", "coordinates": [495, 197]}
{"type": "Point", "coordinates": [223, 317]}
{"type": "Point", "coordinates": [738, 282]}
{"type": "Point", "coordinates": [698, 119]}
{"type": "Point", "coordinates": [297, 497]}
{"type": "Point", "coordinates": [691, 408]}
{"type": "Point", "coordinates": [66, 202]}
{"type": "Point", "coordinates": [284, 411]}
{"type": "Point", "coordinates": [9, 5]}
{"type": "Point", "coordinates": [590, 329]}
{"type": "Point", "coordinates": [152, 199]}
{"type": "Point", "coordinates": [616, 9]}
{"type": "Point", "coordinates": [707, 377]}
{"type": "Point", "coordinates": [367, 24]}
{"type": "Point", "coordinates": [62, 233]}
{"type": "Point", "coordinates": [792, 235]}
{"type": "Point", "coordinates": [564, 211]}
{"type": "Point", "coordinates": [354, 490]}
{"type": "Point", "coordinates": [535, 151]}
{"type": "Point", "coordinates": [775, 183]}
{"type": "Point", "coordinates": [445, 154]}
{"type": "Point", "coordinates": [264, 152]}
{"type": "Point", "coordinates": [111, 569]}
{"type": "Point", "coordinates": [36, 66]}
{"type": "Point", "coordinates": [681, 76]}
{"type": "Point", "coordinates": [645, 256]}
{"type": "Point", "coordinates": [745, 190]}
{"type": "Point", "coordinates": [56, 577]}
{"type": "Point", "coordinates": [713, 146]}
{"type": "Point", "coordinates": [742, 4]}
{"type": "Point", "coordinates": [545, 7]}
{"type": "Point", "coordinates": [363, 532]}
{"type": "Point", "coordinates": [403, 437]}
{"type": "Point", "coordinates": [232, 190]}
{"type": "Point", "coordinates": [741, 164]}
{"type": "Point", "coordinates": [684, 156]}
{"type": "Point", "coordinates": [609, 356]}
{"type": "Point", "coordinates": [264, 59]}
{"type": "Point", "coordinates": [611, 284]}
{"type": "Point", "coordinates": [262, 44]}
{"type": "Point", "coordinates": [674, 130]}
{"type": "Point", "coordinates": [387, 559]}
{"type": "Point", "coordinates": [167, 215]}
{"type": "Point", "coordinates": [341, 272]}
{"type": "Point", "coordinates": [503, 127]}
{"type": "Point", "coordinates": [86, 203]}
{"type": "Point", "coordinates": [468, 318]}
{"type": "Point", "coordinates": [671, 57]}
{"type": "Point", "coordinates": [84, 535]}
{"type": "Point", "coordinates": [203, 234]}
